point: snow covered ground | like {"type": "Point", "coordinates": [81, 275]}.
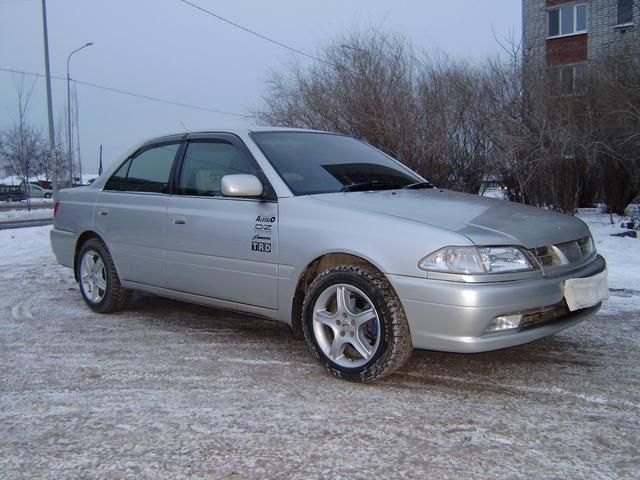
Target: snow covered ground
{"type": "Point", "coordinates": [169, 390]}
{"type": "Point", "coordinates": [22, 214]}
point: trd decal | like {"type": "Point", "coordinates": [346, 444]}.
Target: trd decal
{"type": "Point", "coordinates": [261, 247]}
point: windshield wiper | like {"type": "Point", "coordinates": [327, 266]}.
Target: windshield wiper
{"type": "Point", "coordinates": [371, 185]}
{"type": "Point", "coordinates": [419, 185]}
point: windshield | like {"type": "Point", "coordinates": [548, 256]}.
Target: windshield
{"type": "Point", "coordinates": [312, 162]}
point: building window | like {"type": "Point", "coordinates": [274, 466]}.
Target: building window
{"type": "Point", "coordinates": [570, 79]}
{"type": "Point", "coordinates": [567, 20]}
{"type": "Point", "coordinates": [625, 12]}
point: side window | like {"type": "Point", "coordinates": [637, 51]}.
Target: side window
{"type": "Point", "coordinates": [204, 165]}
{"type": "Point", "coordinates": [146, 172]}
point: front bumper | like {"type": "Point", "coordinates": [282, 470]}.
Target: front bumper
{"type": "Point", "coordinates": [453, 316]}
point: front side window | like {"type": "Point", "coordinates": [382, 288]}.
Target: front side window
{"type": "Point", "coordinates": [625, 12]}
{"type": "Point", "coordinates": [148, 171]}
{"type": "Point", "coordinates": [567, 20]}
{"type": "Point", "coordinates": [311, 163]}
{"type": "Point", "coordinates": [204, 165]}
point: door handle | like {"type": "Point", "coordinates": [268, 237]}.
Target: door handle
{"type": "Point", "coordinates": [103, 212]}
{"type": "Point", "coordinates": [178, 220]}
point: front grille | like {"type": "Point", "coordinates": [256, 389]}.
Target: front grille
{"type": "Point", "coordinates": [543, 315]}
{"type": "Point", "coordinates": [586, 246]}
{"type": "Point", "coordinates": [566, 253]}
{"type": "Point", "coordinates": [544, 255]}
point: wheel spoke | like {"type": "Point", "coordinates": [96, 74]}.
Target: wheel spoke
{"type": "Point", "coordinates": [95, 293]}
{"type": "Point", "coordinates": [101, 283]}
{"type": "Point", "coordinates": [363, 317]}
{"type": "Point", "coordinates": [86, 266]}
{"type": "Point", "coordinates": [341, 300]}
{"type": "Point", "coordinates": [362, 346]}
{"type": "Point", "coordinates": [337, 348]}
{"type": "Point", "coordinates": [99, 266]}
{"type": "Point", "coordinates": [326, 318]}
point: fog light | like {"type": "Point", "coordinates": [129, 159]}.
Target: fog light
{"type": "Point", "coordinates": [504, 322]}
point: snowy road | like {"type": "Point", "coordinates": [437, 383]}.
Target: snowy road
{"type": "Point", "coordinates": [168, 390]}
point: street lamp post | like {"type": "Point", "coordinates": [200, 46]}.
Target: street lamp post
{"type": "Point", "coordinates": [69, 113]}
{"type": "Point", "coordinates": [52, 143]}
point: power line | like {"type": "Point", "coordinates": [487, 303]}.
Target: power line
{"type": "Point", "coordinates": [131, 94]}
{"type": "Point", "coordinates": [252, 32]}
{"type": "Point", "coordinates": [8, 2]}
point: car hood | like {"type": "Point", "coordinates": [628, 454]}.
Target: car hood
{"type": "Point", "coordinates": [485, 221]}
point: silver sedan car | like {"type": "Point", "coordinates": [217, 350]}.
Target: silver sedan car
{"type": "Point", "coordinates": [359, 255]}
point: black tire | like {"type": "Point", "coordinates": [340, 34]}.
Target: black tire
{"type": "Point", "coordinates": [390, 344]}
{"type": "Point", "coordinates": [47, 195]}
{"type": "Point", "coordinates": [111, 296]}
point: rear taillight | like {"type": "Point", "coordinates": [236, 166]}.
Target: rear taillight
{"type": "Point", "coordinates": [56, 206]}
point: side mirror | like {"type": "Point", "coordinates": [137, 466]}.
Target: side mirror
{"type": "Point", "coordinates": [241, 185]}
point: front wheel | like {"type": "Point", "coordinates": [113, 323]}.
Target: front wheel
{"type": "Point", "coordinates": [99, 281]}
{"type": "Point", "coordinates": [354, 323]}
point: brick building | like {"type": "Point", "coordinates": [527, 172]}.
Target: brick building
{"type": "Point", "coordinates": [562, 37]}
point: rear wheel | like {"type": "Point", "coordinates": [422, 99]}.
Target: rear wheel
{"type": "Point", "coordinates": [99, 282]}
{"type": "Point", "coordinates": [354, 323]}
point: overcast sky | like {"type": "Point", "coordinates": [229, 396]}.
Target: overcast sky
{"type": "Point", "coordinates": [169, 50]}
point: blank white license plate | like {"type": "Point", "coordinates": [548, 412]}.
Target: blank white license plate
{"type": "Point", "coordinates": [586, 292]}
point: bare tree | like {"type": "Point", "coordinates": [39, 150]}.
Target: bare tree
{"type": "Point", "coordinates": [612, 105]}
{"type": "Point", "coordinates": [21, 145]}
{"type": "Point", "coordinates": [371, 86]}
{"type": "Point", "coordinates": [456, 123]}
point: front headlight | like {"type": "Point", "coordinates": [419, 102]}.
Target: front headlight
{"type": "Point", "coordinates": [476, 260]}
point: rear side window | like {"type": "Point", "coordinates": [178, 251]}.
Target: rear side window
{"type": "Point", "coordinates": [148, 171]}
{"type": "Point", "coordinates": [204, 165]}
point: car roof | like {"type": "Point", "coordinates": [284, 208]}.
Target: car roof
{"type": "Point", "coordinates": [232, 130]}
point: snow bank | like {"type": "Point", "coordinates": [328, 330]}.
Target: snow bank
{"type": "Point", "coordinates": [21, 214]}
{"type": "Point", "coordinates": [623, 261]}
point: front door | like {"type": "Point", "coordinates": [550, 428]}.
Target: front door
{"type": "Point", "coordinates": [221, 247]}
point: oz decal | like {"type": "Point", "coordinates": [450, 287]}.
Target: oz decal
{"type": "Point", "coordinates": [261, 247]}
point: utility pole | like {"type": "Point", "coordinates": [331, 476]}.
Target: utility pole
{"type": "Point", "coordinates": [52, 141]}
{"type": "Point", "coordinates": [69, 113]}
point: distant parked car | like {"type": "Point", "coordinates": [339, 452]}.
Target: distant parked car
{"type": "Point", "coordinates": [11, 193]}
{"type": "Point", "coordinates": [37, 191]}
{"type": "Point", "coordinates": [354, 251]}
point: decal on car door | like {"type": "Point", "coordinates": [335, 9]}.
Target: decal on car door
{"type": "Point", "coordinates": [261, 241]}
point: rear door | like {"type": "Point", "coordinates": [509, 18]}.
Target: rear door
{"type": "Point", "coordinates": [216, 246]}
{"type": "Point", "coordinates": [130, 213]}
